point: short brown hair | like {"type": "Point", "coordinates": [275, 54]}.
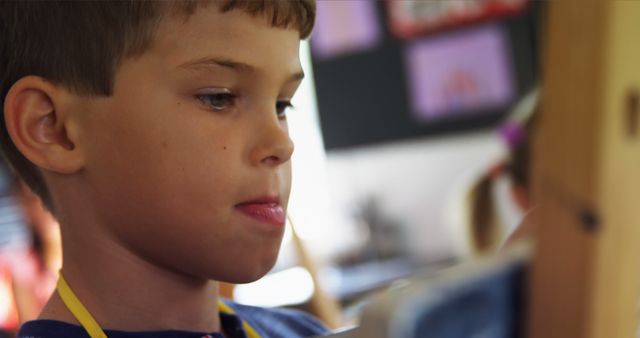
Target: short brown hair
{"type": "Point", "coordinates": [80, 45]}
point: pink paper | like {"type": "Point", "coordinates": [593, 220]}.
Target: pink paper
{"type": "Point", "coordinates": [461, 72]}
{"type": "Point", "coordinates": [344, 26]}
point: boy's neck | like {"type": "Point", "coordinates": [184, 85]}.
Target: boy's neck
{"type": "Point", "coordinates": [125, 292]}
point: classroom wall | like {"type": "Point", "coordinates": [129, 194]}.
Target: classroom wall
{"type": "Point", "coordinates": [420, 185]}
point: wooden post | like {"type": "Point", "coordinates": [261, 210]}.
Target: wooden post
{"type": "Point", "coordinates": [586, 181]}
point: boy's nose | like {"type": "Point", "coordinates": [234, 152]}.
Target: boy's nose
{"type": "Point", "coordinates": [274, 145]}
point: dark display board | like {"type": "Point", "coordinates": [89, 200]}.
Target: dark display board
{"type": "Point", "coordinates": [374, 85]}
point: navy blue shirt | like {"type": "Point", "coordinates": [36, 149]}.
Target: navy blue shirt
{"type": "Point", "coordinates": [269, 323]}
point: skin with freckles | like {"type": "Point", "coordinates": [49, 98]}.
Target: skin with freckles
{"type": "Point", "coordinates": [147, 182]}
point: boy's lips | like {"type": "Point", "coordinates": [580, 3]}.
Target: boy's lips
{"type": "Point", "coordinates": [266, 210]}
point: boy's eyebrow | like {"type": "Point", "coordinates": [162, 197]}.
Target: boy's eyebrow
{"type": "Point", "coordinates": [234, 65]}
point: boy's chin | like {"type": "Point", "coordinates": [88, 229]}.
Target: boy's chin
{"type": "Point", "coordinates": [243, 275]}
{"type": "Point", "coordinates": [243, 279]}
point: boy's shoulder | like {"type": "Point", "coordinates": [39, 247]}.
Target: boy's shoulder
{"type": "Point", "coordinates": [268, 322]}
{"type": "Point", "coordinates": [279, 322]}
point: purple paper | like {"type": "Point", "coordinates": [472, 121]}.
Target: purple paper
{"type": "Point", "coordinates": [344, 26]}
{"type": "Point", "coordinates": [456, 73]}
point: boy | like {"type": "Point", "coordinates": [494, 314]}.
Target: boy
{"type": "Point", "coordinates": [156, 133]}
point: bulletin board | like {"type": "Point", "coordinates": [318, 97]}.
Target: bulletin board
{"type": "Point", "coordinates": [383, 77]}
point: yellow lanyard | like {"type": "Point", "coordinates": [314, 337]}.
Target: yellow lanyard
{"type": "Point", "coordinates": [93, 328]}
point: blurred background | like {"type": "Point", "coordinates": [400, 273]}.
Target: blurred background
{"type": "Point", "coordinates": [407, 124]}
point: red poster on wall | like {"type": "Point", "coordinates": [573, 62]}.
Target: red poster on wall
{"type": "Point", "coordinates": [411, 18]}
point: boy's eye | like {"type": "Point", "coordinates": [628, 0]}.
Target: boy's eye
{"type": "Point", "coordinates": [217, 101]}
{"type": "Point", "coordinates": [281, 108]}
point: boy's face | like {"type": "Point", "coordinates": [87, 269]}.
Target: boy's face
{"type": "Point", "coordinates": [187, 162]}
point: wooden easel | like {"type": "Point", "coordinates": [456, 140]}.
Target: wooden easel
{"type": "Point", "coordinates": [586, 271]}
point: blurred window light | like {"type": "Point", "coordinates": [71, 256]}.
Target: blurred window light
{"type": "Point", "coordinates": [287, 287]}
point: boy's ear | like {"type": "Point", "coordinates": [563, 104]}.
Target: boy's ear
{"type": "Point", "coordinates": [38, 120]}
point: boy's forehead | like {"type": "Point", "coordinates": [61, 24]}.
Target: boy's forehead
{"type": "Point", "coordinates": [231, 39]}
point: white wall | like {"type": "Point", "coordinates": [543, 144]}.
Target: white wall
{"type": "Point", "coordinates": [421, 182]}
